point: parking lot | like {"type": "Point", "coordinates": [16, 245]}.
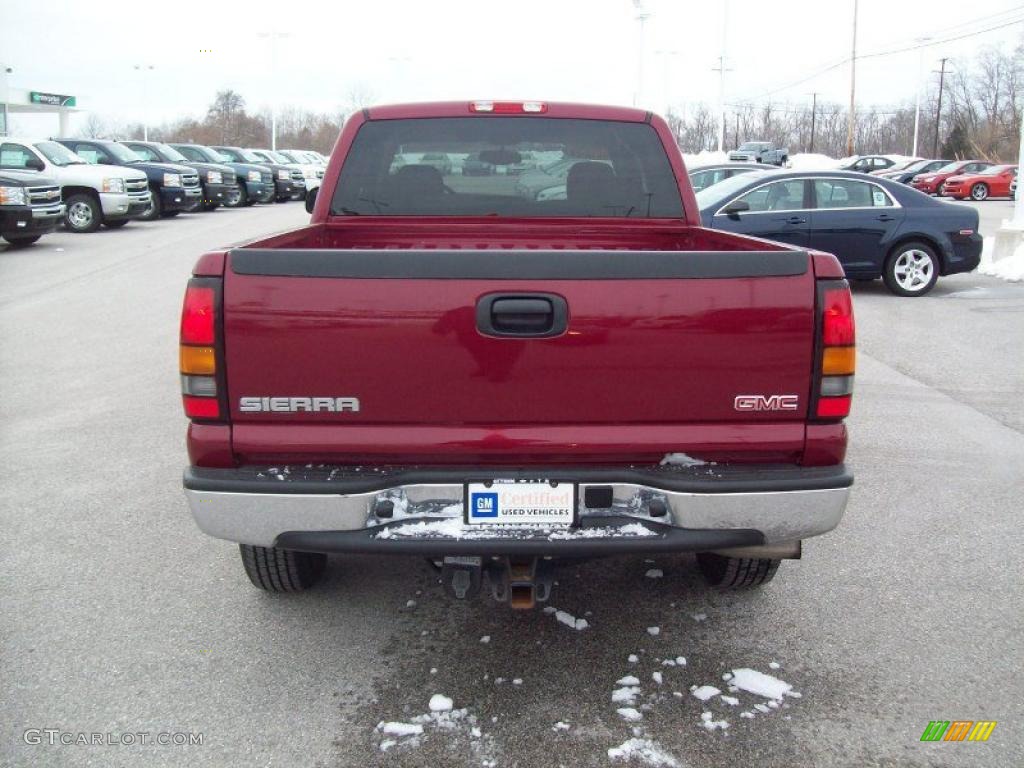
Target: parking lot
{"type": "Point", "coordinates": [120, 616]}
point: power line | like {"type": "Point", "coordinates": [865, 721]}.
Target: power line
{"type": "Point", "coordinates": [846, 60]}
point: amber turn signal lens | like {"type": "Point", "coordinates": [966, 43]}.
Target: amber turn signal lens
{"type": "Point", "coordinates": [197, 360]}
{"type": "Point", "coordinates": [838, 361]}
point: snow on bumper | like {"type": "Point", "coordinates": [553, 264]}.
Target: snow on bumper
{"type": "Point", "coordinates": [678, 509]}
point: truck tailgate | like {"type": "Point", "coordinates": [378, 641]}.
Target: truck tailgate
{"type": "Point", "coordinates": [655, 350]}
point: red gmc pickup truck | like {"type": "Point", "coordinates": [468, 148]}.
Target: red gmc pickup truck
{"type": "Point", "coordinates": [504, 339]}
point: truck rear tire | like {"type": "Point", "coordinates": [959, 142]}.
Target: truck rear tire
{"type": "Point", "coordinates": [727, 573]}
{"type": "Point", "coordinates": [282, 570]}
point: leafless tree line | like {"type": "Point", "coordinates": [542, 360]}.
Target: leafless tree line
{"type": "Point", "coordinates": [228, 123]}
{"type": "Point", "coordinates": [981, 117]}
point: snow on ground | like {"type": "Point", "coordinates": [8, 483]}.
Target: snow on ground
{"type": "Point", "coordinates": [654, 631]}
{"type": "Point", "coordinates": [569, 620]}
{"type": "Point", "coordinates": [769, 687]}
{"type": "Point", "coordinates": [1010, 268]}
{"type": "Point", "coordinates": [704, 692]}
{"type": "Point", "coordinates": [628, 680]}
{"type": "Point", "coordinates": [629, 714]}
{"type": "Point", "coordinates": [633, 658]}
{"type": "Point", "coordinates": [654, 573]}
{"type": "Point", "coordinates": [707, 720]}
{"type": "Point", "coordinates": [644, 751]}
{"type": "Point", "coordinates": [400, 729]}
{"type": "Point", "coordinates": [625, 695]}
{"type": "Point", "coordinates": [440, 703]}
{"type": "Point", "coordinates": [441, 718]}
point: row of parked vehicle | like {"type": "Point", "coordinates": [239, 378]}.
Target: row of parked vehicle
{"type": "Point", "coordinates": [88, 183]}
{"type": "Point", "coordinates": [877, 224]}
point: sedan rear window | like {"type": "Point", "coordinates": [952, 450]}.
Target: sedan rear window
{"type": "Point", "coordinates": [507, 166]}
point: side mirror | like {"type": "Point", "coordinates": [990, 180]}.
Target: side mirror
{"type": "Point", "coordinates": [35, 164]}
{"type": "Point", "coordinates": [735, 208]}
{"type": "Point", "coordinates": [311, 200]}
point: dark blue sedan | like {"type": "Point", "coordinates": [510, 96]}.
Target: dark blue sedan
{"type": "Point", "coordinates": [876, 228]}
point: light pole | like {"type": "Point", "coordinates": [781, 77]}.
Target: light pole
{"type": "Point", "coordinates": [641, 16]}
{"type": "Point", "coordinates": [850, 119]}
{"type": "Point", "coordinates": [917, 109]}
{"type": "Point", "coordinates": [721, 69]}
{"type": "Point", "coordinates": [142, 69]}
{"type": "Point", "coordinates": [274, 37]}
{"type": "Point", "coordinates": [4, 72]}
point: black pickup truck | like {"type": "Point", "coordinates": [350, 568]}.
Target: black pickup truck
{"type": "Point", "coordinates": [30, 206]}
{"type": "Point", "coordinates": [255, 180]}
{"type": "Point", "coordinates": [175, 187]}
{"type": "Point", "coordinates": [291, 185]}
{"type": "Point", "coordinates": [217, 180]}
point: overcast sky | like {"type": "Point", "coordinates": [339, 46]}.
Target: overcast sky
{"type": "Point", "coordinates": [576, 50]}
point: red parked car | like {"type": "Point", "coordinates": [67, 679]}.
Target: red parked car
{"type": "Point", "coordinates": [931, 183]}
{"type": "Point", "coordinates": [994, 181]}
{"type": "Point", "coordinates": [495, 383]}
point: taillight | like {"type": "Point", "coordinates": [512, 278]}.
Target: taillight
{"type": "Point", "coordinates": [199, 354]}
{"type": "Point", "coordinates": [838, 357]}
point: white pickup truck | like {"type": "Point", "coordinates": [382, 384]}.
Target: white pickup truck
{"type": "Point", "coordinates": [93, 194]}
{"type": "Point", "coordinates": [759, 152]}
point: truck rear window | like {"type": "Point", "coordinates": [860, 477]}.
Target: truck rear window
{"type": "Point", "coordinates": [507, 166]}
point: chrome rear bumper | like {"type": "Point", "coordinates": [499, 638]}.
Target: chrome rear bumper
{"type": "Point", "coordinates": [760, 507]}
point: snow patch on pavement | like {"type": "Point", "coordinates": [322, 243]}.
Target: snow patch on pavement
{"type": "Point", "coordinates": [704, 692]}
{"type": "Point", "coordinates": [644, 751]}
{"type": "Point", "coordinates": [752, 681]}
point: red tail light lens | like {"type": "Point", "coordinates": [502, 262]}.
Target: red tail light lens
{"type": "Point", "coordinates": [837, 359]}
{"type": "Point", "coordinates": [834, 407]}
{"type": "Point", "coordinates": [202, 381]}
{"type": "Point", "coordinates": [837, 328]}
{"type": "Point", "coordinates": [201, 407]}
{"type": "Point", "coordinates": [197, 318]}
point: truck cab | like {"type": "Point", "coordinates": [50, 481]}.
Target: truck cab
{"type": "Point", "coordinates": [30, 206]}
{"type": "Point", "coordinates": [217, 180]}
{"type": "Point", "coordinates": [92, 195]}
{"type": "Point", "coordinates": [174, 188]}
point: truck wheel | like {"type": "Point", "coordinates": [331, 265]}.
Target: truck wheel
{"type": "Point", "coordinates": [979, 192]}
{"type": "Point", "coordinates": [116, 224]}
{"type": "Point", "coordinates": [282, 570]}
{"type": "Point", "coordinates": [18, 242]}
{"type": "Point", "coordinates": [155, 206]}
{"type": "Point", "coordinates": [726, 573]}
{"type": "Point", "coordinates": [239, 198]}
{"type": "Point", "coordinates": [912, 269]}
{"type": "Point", "coordinates": [83, 214]}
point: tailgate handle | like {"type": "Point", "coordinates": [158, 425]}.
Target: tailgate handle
{"type": "Point", "coordinates": [522, 315]}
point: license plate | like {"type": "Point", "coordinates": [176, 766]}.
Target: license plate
{"type": "Point", "coordinates": [516, 502]}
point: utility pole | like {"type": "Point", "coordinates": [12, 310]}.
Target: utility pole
{"type": "Point", "coordinates": [853, 85]}
{"type": "Point", "coordinates": [938, 110]}
{"type": "Point", "coordinates": [917, 109]}
{"type": "Point", "coordinates": [814, 112]}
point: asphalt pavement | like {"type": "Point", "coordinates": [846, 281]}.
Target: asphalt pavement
{"type": "Point", "coordinates": [119, 617]}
